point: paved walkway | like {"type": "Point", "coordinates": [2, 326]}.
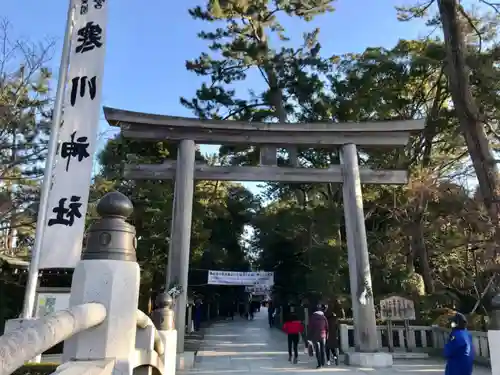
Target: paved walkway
{"type": "Point", "coordinates": [250, 347]}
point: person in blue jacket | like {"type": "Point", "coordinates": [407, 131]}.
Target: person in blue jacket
{"type": "Point", "coordinates": [458, 351]}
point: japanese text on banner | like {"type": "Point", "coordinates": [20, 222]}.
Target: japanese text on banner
{"type": "Point", "coordinates": [68, 198]}
{"type": "Point", "coordinates": [240, 278]}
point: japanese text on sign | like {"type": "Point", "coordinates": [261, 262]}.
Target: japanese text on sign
{"type": "Point", "coordinates": [397, 308]}
{"type": "Point", "coordinates": [240, 278]}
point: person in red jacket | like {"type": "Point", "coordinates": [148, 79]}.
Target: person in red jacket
{"type": "Point", "coordinates": [318, 333]}
{"type": "Point", "coordinates": [293, 328]}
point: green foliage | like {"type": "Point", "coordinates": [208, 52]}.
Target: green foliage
{"type": "Point", "coordinates": [36, 369]}
{"type": "Point", "coordinates": [241, 48]}
{"type": "Point", "coordinates": [25, 110]}
{"type": "Point", "coordinates": [428, 239]}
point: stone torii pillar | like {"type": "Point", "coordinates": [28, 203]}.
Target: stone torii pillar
{"type": "Point", "coordinates": [365, 326]}
{"type": "Point", "coordinates": [180, 234]}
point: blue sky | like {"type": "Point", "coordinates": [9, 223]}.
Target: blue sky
{"type": "Point", "coordinates": [148, 44]}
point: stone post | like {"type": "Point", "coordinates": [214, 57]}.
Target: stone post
{"type": "Point", "coordinates": [178, 256]}
{"type": "Point", "coordinates": [190, 328]}
{"type": "Point", "coordinates": [108, 273]}
{"type": "Point", "coordinates": [163, 318]}
{"type": "Point", "coordinates": [344, 338]}
{"type": "Point", "coordinates": [366, 337]}
{"type": "Point", "coordinates": [494, 335]}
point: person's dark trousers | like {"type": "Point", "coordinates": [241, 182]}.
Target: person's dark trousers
{"type": "Point", "coordinates": [271, 321]}
{"type": "Point", "coordinates": [196, 324]}
{"type": "Point", "coordinates": [331, 354]}
{"type": "Point", "coordinates": [319, 348]}
{"type": "Point", "coordinates": [293, 342]}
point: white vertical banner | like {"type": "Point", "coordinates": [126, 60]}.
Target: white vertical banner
{"type": "Point", "coordinates": [68, 198]}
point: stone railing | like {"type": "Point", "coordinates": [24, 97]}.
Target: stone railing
{"type": "Point", "coordinates": [102, 330]}
{"type": "Point", "coordinates": [422, 339]}
{"type": "Point", "coordinates": [22, 342]}
{"type": "Point", "coordinates": [479, 341]}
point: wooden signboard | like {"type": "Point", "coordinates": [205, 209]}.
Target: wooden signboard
{"type": "Point", "coordinates": [397, 309]}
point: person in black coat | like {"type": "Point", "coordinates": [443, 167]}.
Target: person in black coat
{"type": "Point", "coordinates": [270, 314]}
{"type": "Point", "coordinates": [332, 342]}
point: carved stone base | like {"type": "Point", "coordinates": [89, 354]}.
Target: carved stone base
{"type": "Point", "coordinates": [185, 361]}
{"type": "Point", "coordinates": [370, 360]}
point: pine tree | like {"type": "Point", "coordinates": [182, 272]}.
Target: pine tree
{"type": "Point", "coordinates": [25, 110]}
{"type": "Point", "coordinates": [241, 50]}
{"type": "Point", "coordinates": [470, 70]}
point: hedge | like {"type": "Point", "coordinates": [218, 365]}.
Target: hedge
{"type": "Point", "coordinates": [36, 369]}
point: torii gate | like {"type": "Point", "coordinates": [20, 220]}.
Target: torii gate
{"type": "Point", "coordinates": [346, 136]}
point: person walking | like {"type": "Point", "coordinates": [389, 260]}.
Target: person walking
{"type": "Point", "coordinates": [318, 332]}
{"type": "Point", "coordinates": [251, 310]}
{"type": "Point", "coordinates": [241, 309]}
{"type": "Point", "coordinates": [293, 328]}
{"type": "Point", "coordinates": [333, 338]}
{"type": "Point", "coordinates": [459, 351]}
{"type": "Point", "coordinates": [232, 307]}
{"type": "Point", "coordinates": [197, 315]}
{"type": "Point", "coordinates": [270, 314]}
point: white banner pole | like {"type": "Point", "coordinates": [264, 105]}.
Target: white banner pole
{"type": "Point", "coordinates": [30, 292]}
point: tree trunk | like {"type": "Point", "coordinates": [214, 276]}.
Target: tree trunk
{"type": "Point", "coordinates": [419, 249]}
{"type": "Point", "coordinates": [410, 257]}
{"type": "Point", "coordinates": [431, 126]}
{"type": "Point", "coordinates": [468, 114]}
{"type": "Point", "coordinates": [268, 153]}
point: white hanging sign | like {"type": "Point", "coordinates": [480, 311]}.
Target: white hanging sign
{"type": "Point", "coordinates": [397, 308]}
{"type": "Point", "coordinates": [240, 278]}
{"type": "Point", "coordinates": [68, 198]}
{"type": "Point", "coordinates": [259, 290]}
